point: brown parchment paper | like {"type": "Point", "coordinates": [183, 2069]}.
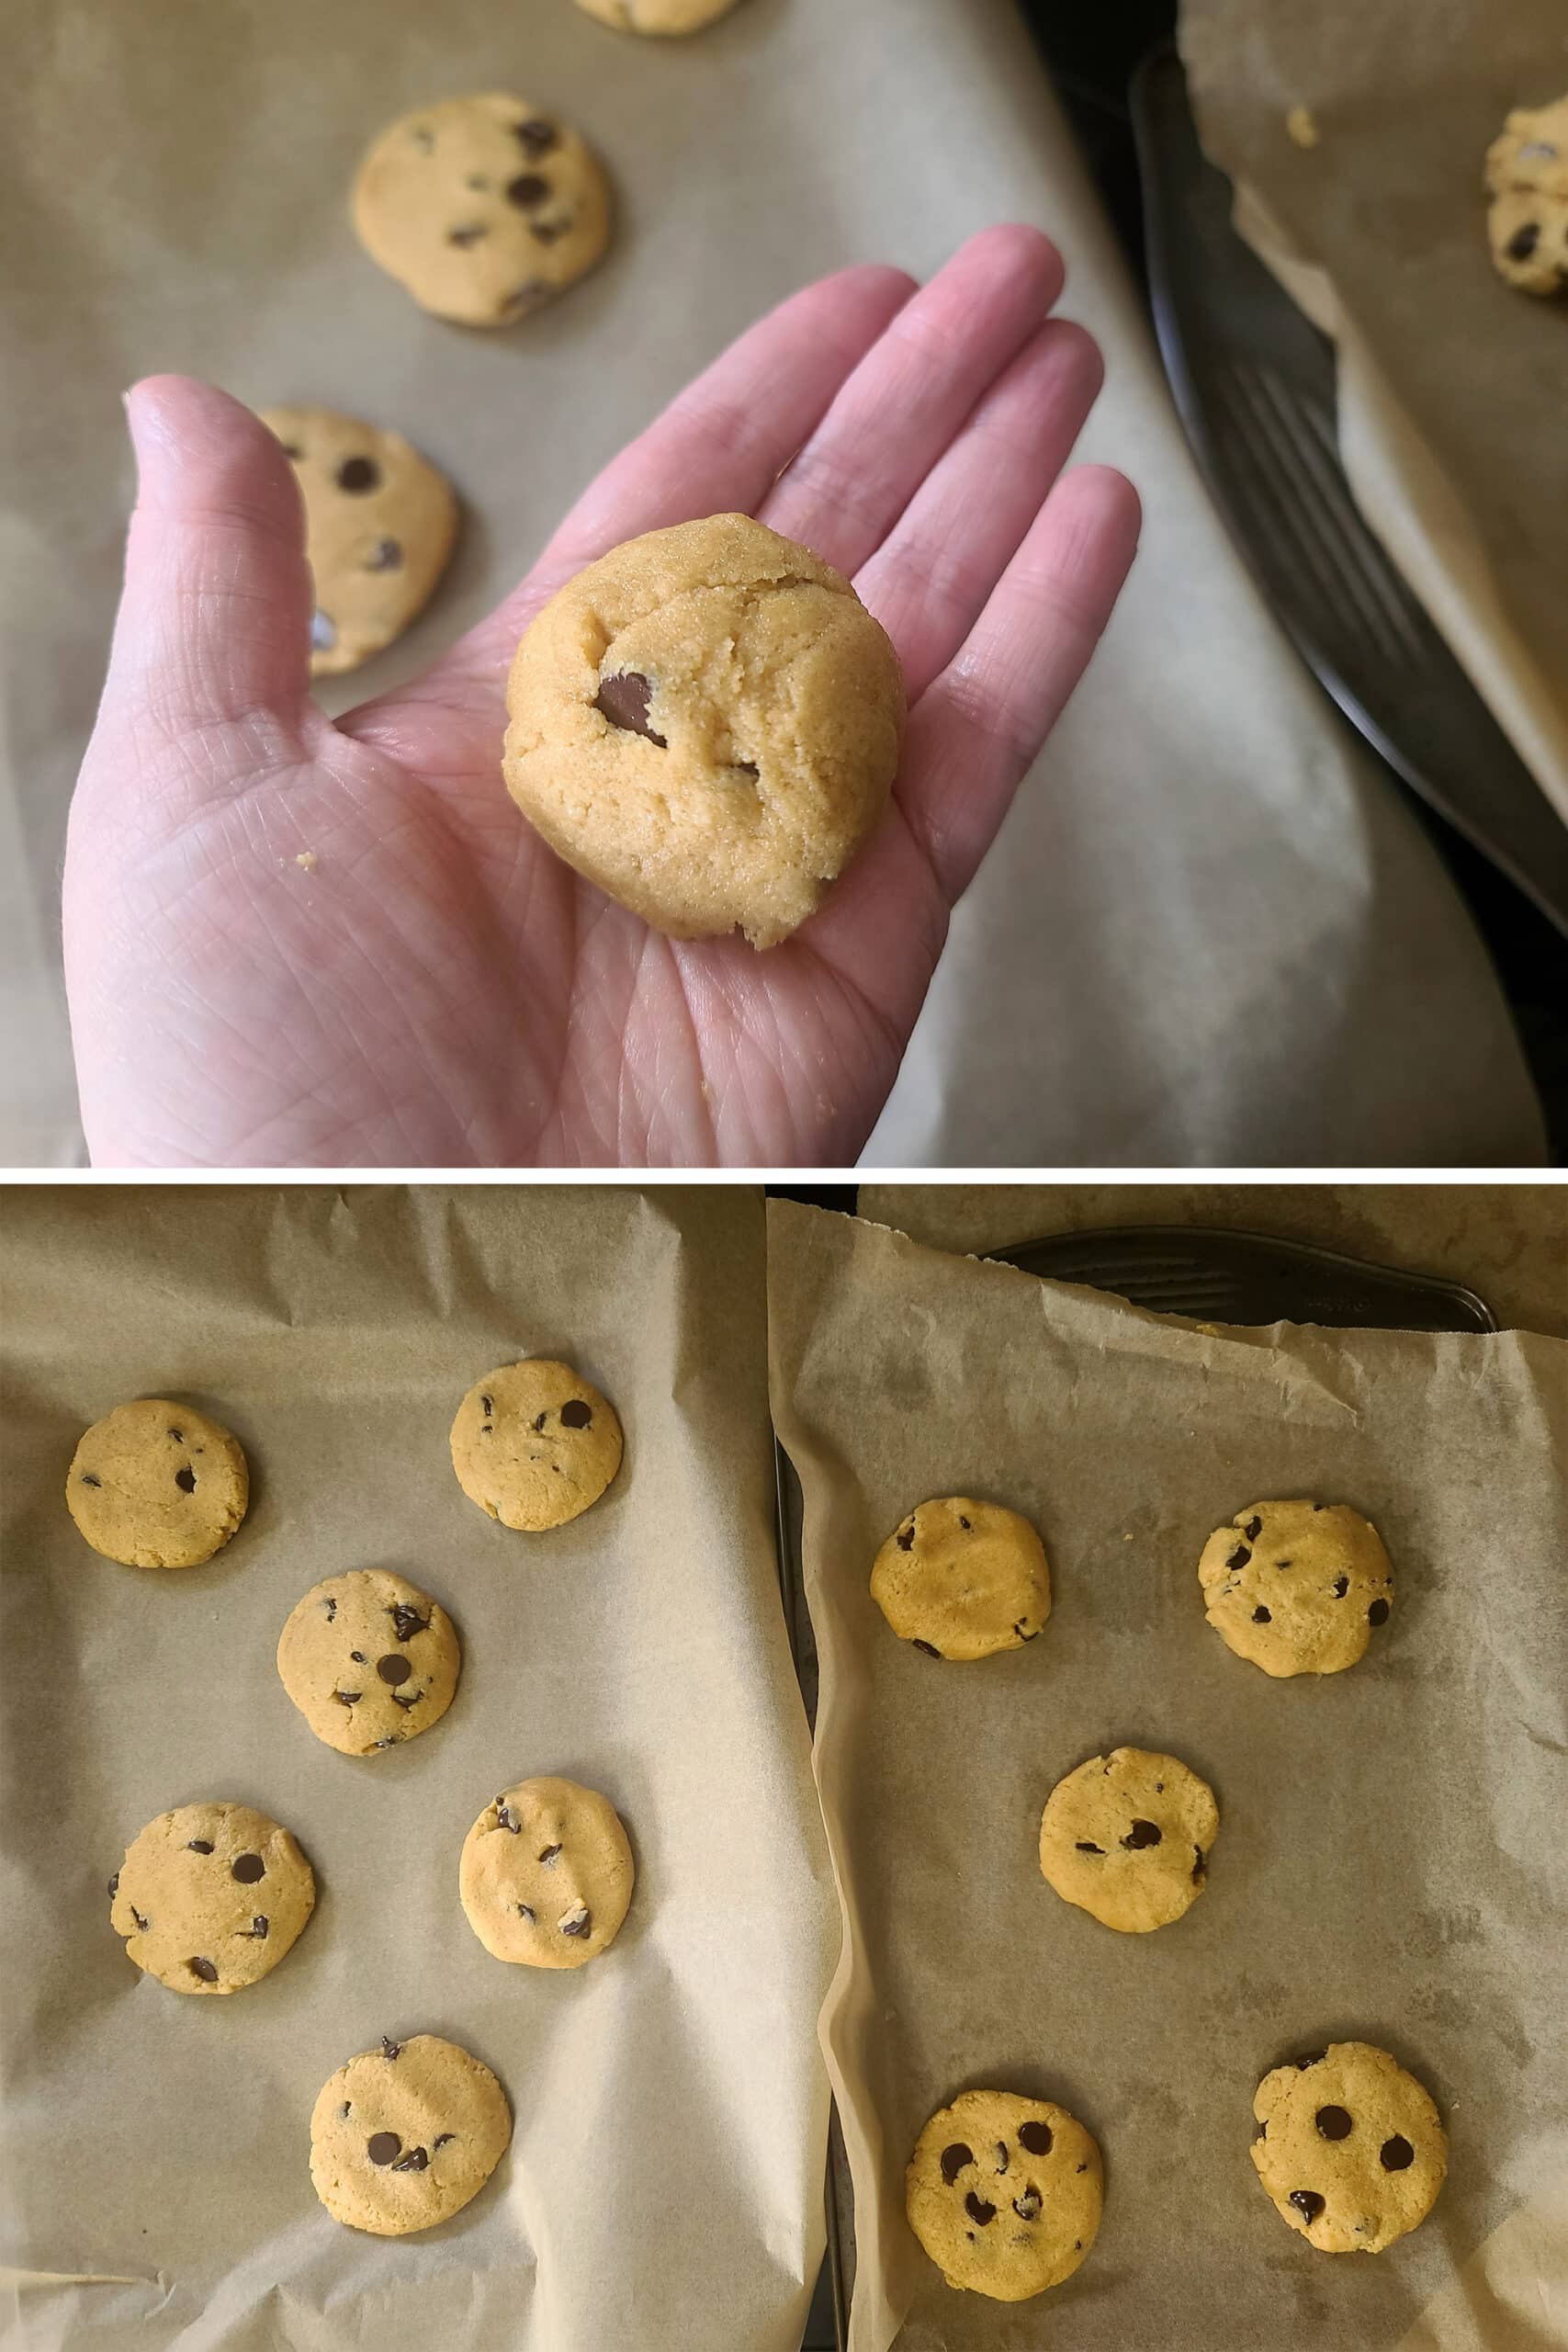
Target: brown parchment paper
{"type": "Point", "coordinates": [1451, 385]}
{"type": "Point", "coordinates": [664, 2187]}
{"type": "Point", "coordinates": [1389, 1865]}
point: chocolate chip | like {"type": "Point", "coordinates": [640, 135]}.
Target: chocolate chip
{"type": "Point", "coordinates": [348, 1698]}
{"type": "Point", "coordinates": [139, 1919]}
{"type": "Point", "coordinates": [331, 1607]}
{"type": "Point", "coordinates": [906, 1537]}
{"type": "Point", "coordinates": [578, 1922]}
{"type": "Point", "coordinates": [346, 2109]}
{"type": "Point", "coordinates": [1142, 1834]}
{"type": "Point", "coordinates": [978, 2211]}
{"type": "Point", "coordinates": [1320, 1506]}
{"type": "Point", "coordinates": [412, 1700]}
{"type": "Point", "coordinates": [1284, 1563]}
{"type": "Point", "coordinates": [407, 1622]}
{"type": "Point", "coordinates": [538, 1424]}
{"type": "Point", "coordinates": [358, 474]}
{"type": "Point", "coordinates": [1523, 241]}
{"type": "Point", "coordinates": [1239, 1557]}
{"type": "Point", "coordinates": [390, 2049]}
{"type": "Point", "coordinates": [575, 1414]}
{"type": "Point", "coordinates": [468, 235]}
{"type": "Point", "coordinates": [383, 2147]}
{"type": "Point", "coordinates": [88, 1479]}
{"type": "Point", "coordinates": [1035, 2137]}
{"type": "Point", "coordinates": [929, 1649]}
{"type": "Point", "coordinates": [383, 1743]}
{"type": "Point", "coordinates": [1308, 2203]}
{"type": "Point", "coordinates": [199, 1846]}
{"type": "Point", "coordinates": [537, 137]}
{"type": "Point", "coordinates": [1002, 2152]}
{"type": "Point", "coordinates": [506, 1819]}
{"type": "Point", "coordinates": [1084, 1847]}
{"type": "Point", "coordinates": [954, 2157]}
{"type": "Point", "coordinates": [1081, 2167]}
{"type": "Point", "coordinates": [549, 1853]}
{"type": "Point", "coordinates": [1199, 1863]}
{"type": "Point", "coordinates": [1333, 2123]}
{"type": "Point", "coordinates": [1027, 2207]}
{"type": "Point", "coordinates": [528, 190]}
{"type": "Point", "coordinates": [247, 1869]}
{"type": "Point", "coordinates": [393, 1668]}
{"type": "Point", "coordinates": [1310, 2058]}
{"type": "Point", "coordinates": [1378, 1613]}
{"type": "Point", "coordinates": [1263, 1616]}
{"type": "Point", "coordinates": [256, 1932]}
{"type": "Point", "coordinates": [114, 1886]}
{"type": "Point", "coordinates": [415, 2161]}
{"type": "Point", "coordinates": [1341, 1586]}
{"type": "Point", "coordinates": [1396, 2154]}
{"type": "Point", "coordinates": [548, 232]}
{"type": "Point", "coordinates": [525, 1913]}
{"type": "Point", "coordinates": [387, 555]}
{"type": "Point", "coordinates": [204, 1969]}
{"type": "Point", "coordinates": [1253, 1529]}
{"type": "Point", "coordinates": [358, 1656]}
{"type": "Point", "coordinates": [486, 1407]}
{"type": "Point", "coordinates": [323, 633]}
{"type": "Point", "coordinates": [967, 1523]}
{"type": "Point", "coordinates": [441, 2139]}
{"type": "Point", "coordinates": [186, 1479]}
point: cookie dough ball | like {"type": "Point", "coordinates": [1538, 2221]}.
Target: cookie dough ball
{"type": "Point", "coordinates": [157, 1486]}
{"type": "Point", "coordinates": [706, 724]}
{"type": "Point", "coordinates": [533, 1444]}
{"type": "Point", "coordinates": [546, 1875]}
{"type": "Point", "coordinates": [963, 1580]}
{"type": "Point", "coordinates": [1127, 1836]}
{"type": "Point", "coordinates": [210, 1898]}
{"type": "Point", "coordinates": [1004, 2194]}
{"type": "Point", "coordinates": [658, 15]}
{"type": "Point", "coordinates": [1349, 2147]}
{"type": "Point", "coordinates": [1296, 1586]}
{"type": "Point", "coordinates": [1529, 236]}
{"type": "Point", "coordinates": [1532, 151]}
{"type": "Point", "coordinates": [379, 523]}
{"type": "Point", "coordinates": [369, 1660]}
{"type": "Point", "coordinates": [404, 2136]}
{"type": "Point", "coordinates": [483, 207]}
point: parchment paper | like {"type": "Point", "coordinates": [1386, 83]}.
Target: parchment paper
{"type": "Point", "coordinates": [663, 2191]}
{"type": "Point", "coordinates": [1451, 385]}
{"type": "Point", "coordinates": [172, 195]}
{"type": "Point", "coordinates": [1389, 1865]}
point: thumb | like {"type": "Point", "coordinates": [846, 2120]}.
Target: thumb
{"type": "Point", "coordinates": [214, 614]}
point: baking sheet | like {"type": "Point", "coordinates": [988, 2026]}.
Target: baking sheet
{"type": "Point", "coordinates": [664, 2186]}
{"type": "Point", "coordinates": [1388, 1866]}
{"type": "Point", "coordinates": [1451, 385]}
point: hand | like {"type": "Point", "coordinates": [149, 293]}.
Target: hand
{"type": "Point", "coordinates": [436, 988]}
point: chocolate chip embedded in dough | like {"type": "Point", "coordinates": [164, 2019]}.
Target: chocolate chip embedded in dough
{"type": "Point", "coordinates": [954, 2157]}
{"type": "Point", "coordinates": [574, 1413]}
{"type": "Point", "coordinates": [1308, 2204]}
{"type": "Point", "coordinates": [1035, 2137]}
{"type": "Point", "coordinates": [624, 699]}
{"type": "Point", "coordinates": [383, 2147]}
{"type": "Point", "coordinates": [358, 475]}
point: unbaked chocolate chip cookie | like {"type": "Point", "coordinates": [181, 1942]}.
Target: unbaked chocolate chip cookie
{"type": "Point", "coordinates": [157, 1486]}
{"type": "Point", "coordinates": [963, 1580]}
{"type": "Point", "coordinates": [1349, 2147]}
{"type": "Point", "coordinates": [706, 724]}
{"type": "Point", "coordinates": [1527, 171]}
{"type": "Point", "coordinates": [369, 1660]}
{"type": "Point", "coordinates": [1004, 2194]}
{"type": "Point", "coordinates": [404, 2136]}
{"type": "Point", "coordinates": [483, 207]}
{"type": "Point", "coordinates": [546, 1875]}
{"type": "Point", "coordinates": [1127, 1838]}
{"type": "Point", "coordinates": [1297, 1588]}
{"type": "Point", "coordinates": [210, 1898]}
{"type": "Point", "coordinates": [534, 1444]}
{"type": "Point", "coordinates": [658, 15]}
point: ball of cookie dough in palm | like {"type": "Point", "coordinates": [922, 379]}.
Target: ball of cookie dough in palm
{"type": "Point", "coordinates": [379, 523]}
{"type": "Point", "coordinates": [369, 1660]}
{"type": "Point", "coordinates": [1004, 2194]}
{"type": "Point", "coordinates": [156, 1485]}
{"type": "Point", "coordinates": [963, 1580]}
{"type": "Point", "coordinates": [545, 1874]}
{"type": "Point", "coordinates": [483, 207]}
{"type": "Point", "coordinates": [1527, 231]}
{"type": "Point", "coordinates": [658, 15]}
{"type": "Point", "coordinates": [1297, 1588]}
{"type": "Point", "coordinates": [405, 2136]}
{"type": "Point", "coordinates": [1531, 151]}
{"type": "Point", "coordinates": [1127, 1838]}
{"type": "Point", "coordinates": [705, 723]}
{"type": "Point", "coordinates": [1349, 2147]}
{"type": "Point", "coordinates": [210, 1898]}
{"type": "Point", "coordinates": [533, 1444]}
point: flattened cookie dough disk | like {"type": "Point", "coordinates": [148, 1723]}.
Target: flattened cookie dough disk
{"type": "Point", "coordinates": [706, 724]}
{"type": "Point", "coordinates": [210, 1898]}
{"type": "Point", "coordinates": [1298, 1588]}
{"type": "Point", "coordinates": [482, 208]}
{"type": "Point", "coordinates": [534, 1444]}
{"type": "Point", "coordinates": [1127, 1836]}
{"type": "Point", "coordinates": [658, 15]}
{"type": "Point", "coordinates": [379, 523]}
{"type": "Point", "coordinates": [404, 2136]}
{"type": "Point", "coordinates": [1351, 2148]}
{"type": "Point", "coordinates": [156, 1485]}
{"type": "Point", "coordinates": [1527, 231]}
{"type": "Point", "coordinates": [963, 1580]}
{"type": "Point", "coordinates": [1004, 2193]}
{"type": "Point", "coordinates": [369, 1660]}
{"type": "Point", "coordinates": [546, 1876]}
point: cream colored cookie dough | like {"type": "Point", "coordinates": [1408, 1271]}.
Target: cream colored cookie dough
{"type": "Point", "coordinates": [658, 15]}
{"type": "Point", "coordinates": [369, 1660]}
{"type": "Point", "coordinates": [156, 1485]}
{"type": "Point", "coordinates": [963, 1580]}
{"type": "Point", "coordinates": [705, 723]}
{"type": "Point", "coordinates": [379, 523]}
{"type": "Point", "coordinates": [1349, 2147]}
{"type": "Point", "coordinates": [210, 1898]}
{"type": "Point", "coordinates": [1531, 152]}
{"type": "Point", "coordinates": [1004, 2194]}
{"type": "Point", "coordinates": [534, 1444]}
{"type": "Point", "coordinates": [483, 207]}
{"type": "Point", "coordinates": [545, 1874]}
{"type": "Point", "coordinates": [1127, 1838]}
{"type": "Point", "coordinates": [404, 2136]}
{"type": "Point", "coordinates": [1527, 231]}
{"type": "Point", "coordinates": [1298, 1588]}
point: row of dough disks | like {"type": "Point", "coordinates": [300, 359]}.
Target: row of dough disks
{"type": "Point", "coordinates": [211, 1896]}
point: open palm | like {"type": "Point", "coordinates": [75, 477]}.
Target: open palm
{"type": "Point", "coordinates": [296, 942]}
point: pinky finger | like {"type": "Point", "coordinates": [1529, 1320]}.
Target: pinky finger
{"type": "Point", "coordinates": [977, 729]}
